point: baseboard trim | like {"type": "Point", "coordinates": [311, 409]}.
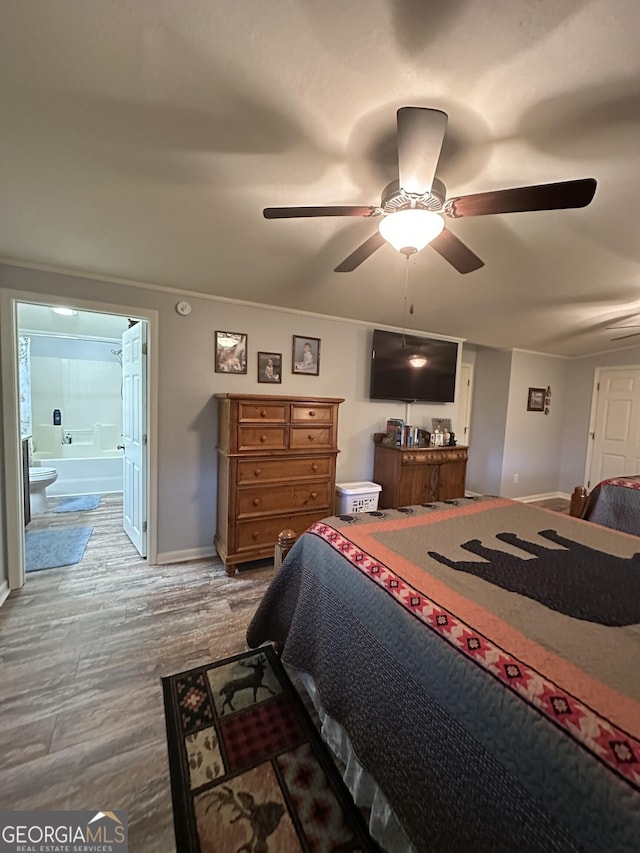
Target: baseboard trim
{"type": "Point", "coordinates": [545, 496]}
{"type": "Point", "coordinates": [4, 592]}
{"type": "Point", "coordinates": [186, 555]}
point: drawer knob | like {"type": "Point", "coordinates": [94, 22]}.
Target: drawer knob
{"type": "Point", "coordinates": [254, 535]}
{"type": "Point", "coordinates": [314, 495]}
{"type": "Point", "coordinates": [311, 437]}
{"type": "Point", "coordinates": [257, 472]}
{"type": "Point", "coordinates": [256, 501]}
{"type": "Point", "coordinates": [263, 438]}
{"type": "Point", "coordinates": [263, 413]}
{"type": "Point", "coordinates": [312, 414]}
{"type": "Point", "coordinates": [314, 467]}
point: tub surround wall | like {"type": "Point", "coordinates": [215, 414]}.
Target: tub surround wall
{"type": "Point", "coordinates": [49, 441]}
{"type": "Point", "coordinates": [80, 377]}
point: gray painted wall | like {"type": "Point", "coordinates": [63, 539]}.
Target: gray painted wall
{"type": "Point", "coordinates": [548, 452]}
{"type": "Point", "coordinates": [3, 555]}
{"type": "Point", "coordinates": [533, 440]}
{"type": "Point", "coordinates": [186, 438]}
{"type": "Point", "coordinates": [491, 384]}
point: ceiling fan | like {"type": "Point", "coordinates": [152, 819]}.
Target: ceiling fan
{"type": "Point", "coordinates": [621, 328]}
{"type": "Point", "coordinates": [412, 208]}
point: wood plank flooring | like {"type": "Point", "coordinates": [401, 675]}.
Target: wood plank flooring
{"type": "Point", "coordinates": [82, 651]}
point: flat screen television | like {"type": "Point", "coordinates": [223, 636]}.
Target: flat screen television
{"type": "Point", "coordinates": [398, 374]}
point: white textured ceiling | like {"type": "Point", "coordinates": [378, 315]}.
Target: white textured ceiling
{"type": "Point", "coordinates": [141, 139]}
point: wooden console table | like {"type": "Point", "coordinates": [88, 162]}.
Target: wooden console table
{"type": "Point", "coordinates": [416, 475]}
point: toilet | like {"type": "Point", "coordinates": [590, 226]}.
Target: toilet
{"type": "Point", "coordinates": [39, 479]}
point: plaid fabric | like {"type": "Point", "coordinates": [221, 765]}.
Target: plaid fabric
{"type": "Point", "coordinates": [259, 732]}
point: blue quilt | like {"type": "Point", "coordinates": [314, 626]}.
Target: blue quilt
{"type": "Point", "coordinates": [487, 677]}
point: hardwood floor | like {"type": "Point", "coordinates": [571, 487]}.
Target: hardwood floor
{"type": "Point", "coordinates": [555, 504]}
{"type": "Point", "coordinates": [83, 649]}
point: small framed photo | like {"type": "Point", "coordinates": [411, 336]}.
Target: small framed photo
{"type": "Point", "coordinates": [270, 367]}
{"type": "Point", "coordinates": [536, 399]}
{"type": "Point", "coordinates": [231, 352]}
{"type": "Point", "coordinates": [305, 355]}
{"type": "Point", "coordinates": [441, 423]}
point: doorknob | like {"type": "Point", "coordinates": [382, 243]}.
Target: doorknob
{"type": "Point", "coordinates": [120, 447]}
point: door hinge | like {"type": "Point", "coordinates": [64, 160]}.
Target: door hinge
{"type": "Point", "coordinates": [593, 436]}
{"type": "Point", "coordinates": [144, 348]}
{"type": "Point", "coordinates": [144, 526]}
{"type": "Point", "coordinates": [598, 387]}
{"type": "Point", "coordinates": [144, 438]}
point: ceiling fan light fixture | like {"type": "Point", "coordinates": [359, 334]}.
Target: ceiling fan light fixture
{"type": "Point", "coordinates": [411, 230]}
{"type": "Point", "coordinates": [417, 360]}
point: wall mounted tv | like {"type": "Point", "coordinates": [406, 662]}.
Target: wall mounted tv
{"type": "Point", "coordinates": [395, 377]}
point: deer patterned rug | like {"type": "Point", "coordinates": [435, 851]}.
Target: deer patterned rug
{"type": "Point", "coordinates": [249, 773]}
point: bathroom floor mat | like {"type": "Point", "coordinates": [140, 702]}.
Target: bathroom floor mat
{"type": "Point", "coordinates": [48, 549]}
{"type": "Point", "coordinates": [78, 503]}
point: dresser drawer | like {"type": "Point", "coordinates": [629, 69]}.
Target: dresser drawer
{"type": "Point", "coordinates": [264, 412]}
{"type": "Point", "coordinates": [274, 470]}
{"type": "Point", "coordinates": [310, 437]}
{"type": "Point", "coordinates": [263, 532]}
{"type": "Point", "coordinates": [258, 500]}
{"type": "Point", "coordinates": [311, 414]}
{"type": "Point", "coordinates": [262, 438]}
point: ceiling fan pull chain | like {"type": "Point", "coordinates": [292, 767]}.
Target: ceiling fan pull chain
{"type": "Point", "coordinates": [404, 301]}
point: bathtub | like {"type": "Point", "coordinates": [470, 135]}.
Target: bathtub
{"type": "Point", "coordinates": [87, 476]}
{"type": "Point", "coordinates": [50, 442]}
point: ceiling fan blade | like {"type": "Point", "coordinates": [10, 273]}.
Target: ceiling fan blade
{"type": "Point", "coordinates": [296, 212]}
{"type": "Point", "coordinates": [361, 253]}
{"type": "Point", "coordinates": [452, 249]}
{"type": "Point", "coordinates": [617, 328]}
{"type": "Point", "coordinates": [540, 197]}
{"type": "Point", "coordinates": [622, 337]}
{"type": "Point", "coordinates": [420, 136]}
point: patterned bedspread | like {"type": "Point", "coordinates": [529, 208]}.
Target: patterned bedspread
{"type": "Point", "coordinates": [615, 503]}
{"type": "Point", "coordinates": [484, 657]}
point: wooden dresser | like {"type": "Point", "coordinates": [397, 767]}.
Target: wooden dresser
{"type": "Point", "coordinates": [276, 470]}
{"type": "Point", "coordinates": [419, 475]}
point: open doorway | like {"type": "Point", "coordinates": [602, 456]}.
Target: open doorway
{"type": "Point", "coordinates": [78, 360]}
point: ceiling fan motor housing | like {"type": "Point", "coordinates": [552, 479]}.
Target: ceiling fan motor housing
{"type": "Point", "coordinates": [394, 199]}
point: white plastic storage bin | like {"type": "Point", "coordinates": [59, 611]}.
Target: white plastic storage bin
{"type": "Point", "coordinates": [356, 497]}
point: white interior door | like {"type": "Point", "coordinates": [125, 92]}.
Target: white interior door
{"type": "Point", "coordinates": [134, 417]}
{"type": "Point", "coordinates": [615, 432]}
{"type": "Point", "coordinates": [465, 394]}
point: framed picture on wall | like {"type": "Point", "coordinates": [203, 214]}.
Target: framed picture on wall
{"type": "Point", "coordinates": [270, 367]}
{"type": "Point", "coordinates": [535, 400]}
{"type": "Point", "coordinates": [231, 352]}
{"type": "Point", "coordinates": [305, 355]}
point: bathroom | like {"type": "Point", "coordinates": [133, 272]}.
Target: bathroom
{"type": "Point", "coordinates": [70, 376]}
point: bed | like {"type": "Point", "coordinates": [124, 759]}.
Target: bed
{"type": "Point", "coordinates": [614, 503]}
{"type": "Point", "coordinates": [483, 658]}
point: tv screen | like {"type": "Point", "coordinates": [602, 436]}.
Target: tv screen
{"type": "Point", "coordinates": [407, 367]}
